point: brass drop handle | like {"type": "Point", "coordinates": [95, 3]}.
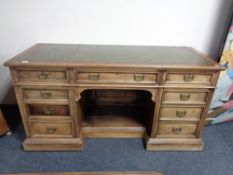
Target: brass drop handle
{"type": "Point", "coordinates": [45, 95]}
{"type": "Point", "coordinates": [48, 110]}
{"type": "Point", "coordinates": [180, 114]}
{"type": "Point", "coordinates": [93, 77]}
{"type": "Point", "coordinates": [188, 77]}
{"type": "Point", "coordinates": [184, 97]}
{"type": "Point", "coordinates": [176, 130]}
{"type": "Point", "coordinates": [43, 75]}
{"type": "Point", "coordinates": [138, 77]}
{"type": "Point", "coordinates": [51, 130]}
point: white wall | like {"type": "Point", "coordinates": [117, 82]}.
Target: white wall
{"type": "Point", "coordinates": [196, 23]}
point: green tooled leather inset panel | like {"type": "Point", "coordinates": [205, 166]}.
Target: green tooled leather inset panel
{"type": "Point", "coordinates": [114, 54]}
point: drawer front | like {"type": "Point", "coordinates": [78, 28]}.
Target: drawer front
{"type": "Point", "coordinates": [184, 97]}
{"type": "Point", "coordinates": [181, 112]}
{"type": "Point", "coordinates": [42, 76]}
{"type": "Point", "coordinates": [51, 129]}
{"type": "Point", "coordinates": [48, 110]}
{"type": "Point", "coordinates": [42, 94]}
{"type": "Point", "coordinates": [116, 78]}
{"type": "Point", "coordinates": [177, 129]}
{"type": "Point", "coordinates": [185, 78]}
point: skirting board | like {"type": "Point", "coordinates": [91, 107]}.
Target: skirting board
{"type": "Point", "coordinates": [92, 173]}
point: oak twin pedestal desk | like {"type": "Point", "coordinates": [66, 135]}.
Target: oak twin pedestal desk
{"type": "Point", "coordinates": [69, 92]}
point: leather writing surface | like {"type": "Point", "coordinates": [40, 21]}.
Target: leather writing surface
{"type": "Point", "coordinates": [114, 54]}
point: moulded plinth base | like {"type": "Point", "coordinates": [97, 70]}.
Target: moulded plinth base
{"type": "Point", "coordinates": [53, 144]}
{"type": "Point", "coordinates": [173, 144]}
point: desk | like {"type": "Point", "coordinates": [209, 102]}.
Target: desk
{"type": "Point", "coordinates": [69, 92]}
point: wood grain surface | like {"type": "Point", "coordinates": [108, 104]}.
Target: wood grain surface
{"type": "Point", "coordinates": [69, 92]}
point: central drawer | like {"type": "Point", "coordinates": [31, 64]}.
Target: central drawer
{"type": "Point", "coordinates": [97, 77]}
{"type": "Point", "coordinates": [51, 129]}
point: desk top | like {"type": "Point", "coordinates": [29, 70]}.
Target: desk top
{"type": "Point", "coordinates": [80, 54]}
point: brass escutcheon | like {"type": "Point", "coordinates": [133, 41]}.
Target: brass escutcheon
{"type": "Point", "coordinates": [188, 77]}
{"type": "Point", "coordinates": [45, 95]}
{"type": "Point", "coordinates": [93, 77]}
{"type": "Point", "coordinates": [180, 114]}
{"type": "Point", "coordinates": [138, 77]}
{"type": "Point", "coordinates": [48, 110]}
{"type": "Point", "coordinates": [184, 97]}
{"type": "Point", "coordinates": [43, 75]}
{"type": "Point", "coordinates": [51, 130]}
{"type": "Point", "coordinates": [176, 130]}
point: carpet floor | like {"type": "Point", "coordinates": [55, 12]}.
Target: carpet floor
{"type": "Point", "coordinates": [123, 155]}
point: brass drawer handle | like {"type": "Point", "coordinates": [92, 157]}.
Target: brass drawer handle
{"type": "Point", "coordinates": [184, 97]}
{"type": "Point", "coordinates": [48, 110]}
{"type": "Point", "coordinates": [51, 130]}
{"type": "Point", "coordinates": [176, 130]}
{"type": "Point", "coordinates": [93, 77]}
{"type": "Point", "coordinates": [43, 75]}
{"type": "Point", "coordinates": [138, 77]}
{"type": "Point", "coordinates": [188, 77]}
{"type": "Point", "coordinates": [180, 114]}
{"type": "Point", "coordinates": [46, 95]}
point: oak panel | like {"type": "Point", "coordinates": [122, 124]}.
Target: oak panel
{"type": "Point", "coordinates": [51, 129]}
{"type": "Point", "coordinates": [48, 110]}
{"type": "Point", "coordinates": [188, 78]}
{"type": "Point", "coordinates": [185, 97]}
{"type": "Point", "coordinates": [177, 129]}
{"type": "Point", "coordinates": [181, 112]}
{"type": "Point", "coordinates": [42, 76]}
{"type": "Point", "coordinates": [45, 94]}
{"type": "Point", "coordinates": [98, 77]}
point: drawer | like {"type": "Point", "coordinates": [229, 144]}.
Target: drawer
{"type": "Point", "coordinates": [181, 112]}
{"type": "Point", "coordinates": [184, 78]}
{"type": "Point", "coordinates": [93, 77]}
{"type": "Point", "coordinates": [177, 129]}
{"type": "Point", "coordinates": [184, 97]}
{"type": "Point", "coordinates": [48, 110]}
{"type": "Point", "coordinates": [45, 94]}
{"type": "Point", "coordinates": [42, 76]}
{"type": "Point", "coordinates": [51, 129]}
